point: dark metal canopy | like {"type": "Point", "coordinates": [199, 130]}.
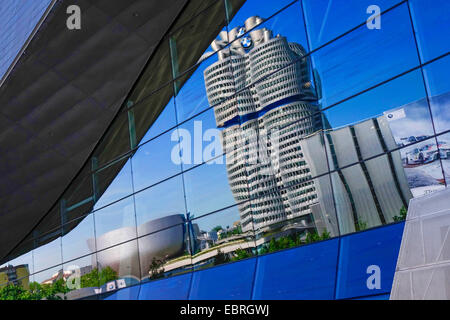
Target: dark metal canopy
{"type": "Point", "coordinates": [62, 94]}
{"type": "Point", "coordinates": [61, 103]}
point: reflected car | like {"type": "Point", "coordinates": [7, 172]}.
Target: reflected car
{"type": "Point", "coordinates": [416, 156]}
{"type": "Point", "coordinates": [428, 153]}
{"type": "Point", "coordinates": [444, 149]}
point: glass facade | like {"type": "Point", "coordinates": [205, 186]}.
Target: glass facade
{"type": "Point", "coordinates": [298, 123]}
{"type": "Point", "coordinates": [20, 18]}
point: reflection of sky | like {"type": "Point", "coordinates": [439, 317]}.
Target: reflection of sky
{"type": "Point", "coordinates": [394, 94]}
{"type": "Point", "coordinates": [432, 20]}
{"type": "Point", "coordinates": [328, 19]}
{"type": "Point", "coordinates": [120, 187]}
{"type": "Point", "coordinates": [224, 218]}
{"type": "Point", "coordinates": [356, 62]}
{"type": "Point", "coordinates": [161, 200]}
{"type": "Point", "coordinates": [288, 23]}
{"type": "Point", "coordinates": [17, 21]}
{"type": "Point", "coordinates": [207, 189]}
{"type": "Point", "coordinates": [257, 8]}
{"type": "Point", "coordinates": [438, 85]}
{"type": "Point", "coordinates": [192, 97]}
{"type": "Point", "coordinates": [346, 68]}
{"type": "Point", "coordinates": [440, 106]}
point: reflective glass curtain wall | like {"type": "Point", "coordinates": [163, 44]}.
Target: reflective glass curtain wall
{"type": "Point", "coordinates": [19, 18]}
{"type": "Point", "coordinates": [255, 128]}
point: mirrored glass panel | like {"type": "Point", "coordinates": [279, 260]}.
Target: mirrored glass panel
{"type": "Point", "coordinates": [200, 139]}
{"type": "Point", "coordinates": [82, 277]}
{"type": "Point", "coordinates": [166, 252]}
{"type": "Point", "coordinates": [78, 238]}
{"type": "Point", "coordinates": [296, 215]}
{"type": "Point", "coordinates": [254, 8]}
{"type": "Point", "coordinates": [431, 26]}
{"type": "Point", "coordinates": [49, 284]}
{"type": "Point", "coordinates": [221, 238]}
{"type": "Point", "coordinates": [118, 266]}
{"type": "Point", "coordinates": [377, 191]}
{"type": "Point", "coordinates": [388, 117]}
{"type": "Point", "coordinates": [208, 188]}
{"type": "Point", "coordinates": [155, 205]}
{"type": "Point", "coordinates": [422, 165]}
{"type": "Point", "coordinates": [108, 191]}
{"type": "Point", "coordinates": [114, 224]}
{"type": "Point", "coordinates": [444, 153]}
{"type": "Point", "coordinates": [364, 57]}
{"type": "Point", "coordinates": [389, 191]}
{"type": "Point", "coordinates": [156, 160]}
{"type": "Point", "coordinates": [270, 45]}
{"type": "Point", "coordinates": [206, 84]}
{"type": "Point", "coordinates": [356, 203]}
{"type": "Point", "coordinates": [439, 92]}
{"type": "Point", "coordinates": [328, 19]}
{"type": "Point", "coordinates": [273, 145]}
{"type": "Point", "coordinates": [17, 271]}
{"type": "Point", "coordinates": [47, 254]}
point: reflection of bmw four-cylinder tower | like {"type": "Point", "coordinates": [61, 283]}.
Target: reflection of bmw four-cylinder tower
{"type": "Point", "coordinates": [263, 123]}
{"type": "Point", "coordinates": [275, 141]}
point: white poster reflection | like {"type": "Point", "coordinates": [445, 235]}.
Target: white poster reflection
{"type": "Point", "coordinates": [421, 153]}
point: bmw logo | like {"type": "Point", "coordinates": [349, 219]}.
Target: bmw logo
{"type": "Point", "coordinates": [390, 115]}
{"type": "Point", "coordinates": [246, 42]}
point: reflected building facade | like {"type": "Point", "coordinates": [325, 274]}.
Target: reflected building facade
{"type": "Point", "coordinates": [17, 275]}
{"type": "Point", "coordinates": [328, 128]}
{"type": "Point", "coordinates": [357, 208]}
{"type": "Point", "coordinates": [264, 123]}
{"type": "Point", "coordinates": [273, 141]}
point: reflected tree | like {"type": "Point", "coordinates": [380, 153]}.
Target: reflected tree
{"type": "Point", "coordinates": [402, 215]}
{"type": "Point", "coordinates": [221, 258]}
{"type": "Point", "coordinates": [97, 278]}
{"type": "Point", "coordinates": [156, 269]}
{"type": "Point", "coordinates": [54, 291]}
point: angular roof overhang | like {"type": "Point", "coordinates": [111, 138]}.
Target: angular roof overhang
{"type": "Point", "coordinates": [64, 93]}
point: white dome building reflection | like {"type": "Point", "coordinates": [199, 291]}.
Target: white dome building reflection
{"type": "Point", "coordinates": [162, 238]}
